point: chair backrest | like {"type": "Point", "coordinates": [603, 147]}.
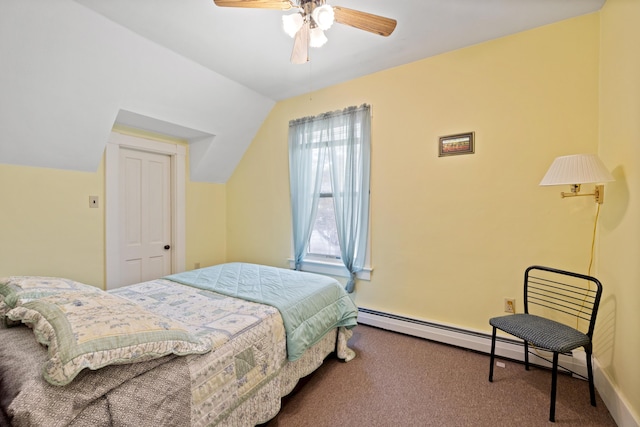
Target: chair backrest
{"type": "Point", "coordinates": [563, 296]}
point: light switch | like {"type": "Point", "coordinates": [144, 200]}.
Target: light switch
{"type": "Point", "coordinates": [93, 201]}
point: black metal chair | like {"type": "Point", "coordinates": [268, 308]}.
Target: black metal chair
{"type": "Point", "coordinates": [558, 305]}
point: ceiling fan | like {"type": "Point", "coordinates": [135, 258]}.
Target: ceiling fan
{"type": "Point", "coordinates": [307, 25]}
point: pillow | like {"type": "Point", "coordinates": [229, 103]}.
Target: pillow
{"type": "Point", "coordinates": [96, 329]}
{"type": "Point", "coordinates": [15, 290]}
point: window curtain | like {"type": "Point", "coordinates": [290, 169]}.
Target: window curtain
{"type": "Point", "coordinates": [350, 160]}
{"type": "Point", "coordinates": [306, 159]}
{"type": "Point", "coordinates": [342, 138]}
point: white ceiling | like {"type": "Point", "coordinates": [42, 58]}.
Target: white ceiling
{"type": "Point", "coordinates": [250, 47]}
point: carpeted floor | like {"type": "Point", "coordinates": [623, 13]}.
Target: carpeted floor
{"type": "Point", "coordinates": [398, 380]}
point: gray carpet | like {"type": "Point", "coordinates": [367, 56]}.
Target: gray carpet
{"type": "Point", "coordinates": [398, 380]}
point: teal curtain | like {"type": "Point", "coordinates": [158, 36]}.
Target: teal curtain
{"type": "Point", "coordinates": [343, 138]}
{"type": "Point", "coordinates": [350, 160]}
{"type": "Point", "coordinates": [306, 159]}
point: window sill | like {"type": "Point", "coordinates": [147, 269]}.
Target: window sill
{"type": "Point", "coordinates": [330, 268]}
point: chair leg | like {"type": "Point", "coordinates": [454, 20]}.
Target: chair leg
{"type": "Point", "coordinates": [592, 390]}
{"type": "Point", "coordinates": [493, 351]}
{"type": "Point", "coordinates": [526, 355]}
{"type": "Point", "coordinates": [554, 385]}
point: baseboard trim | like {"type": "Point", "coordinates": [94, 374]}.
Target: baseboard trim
{"type": "Point", "coordinates": [618, 406]}
{"type": "Point", "coordinates": [506, 348]}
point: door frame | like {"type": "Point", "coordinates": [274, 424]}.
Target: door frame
{"type": "Point", "coordinates": [177, 155]}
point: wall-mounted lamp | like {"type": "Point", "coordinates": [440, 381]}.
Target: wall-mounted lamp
{"type": "Point", "coordinates": [575, 170]}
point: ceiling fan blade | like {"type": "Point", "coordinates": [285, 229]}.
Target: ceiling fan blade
{"type": "Point", "coordinates": [365, 21]}
{"type": "Point", "coordinates": [257, 4]}
{"type": "Point", "coordinates": [300, 54]}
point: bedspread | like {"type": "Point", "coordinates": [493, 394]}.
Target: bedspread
{"type": "Point", "coordinates": [310, 304]}
{"type": "Point", "coordinates": [249, 350]}
{"type": "Point", "coordinates": [249, 343]}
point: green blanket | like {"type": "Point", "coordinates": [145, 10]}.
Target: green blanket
{"type": "Point", "coordinates": [310, 304]}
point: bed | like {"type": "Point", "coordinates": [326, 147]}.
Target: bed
{"type": "Point", "coordinates": [215, 346]}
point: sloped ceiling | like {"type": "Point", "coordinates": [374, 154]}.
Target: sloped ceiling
{"type": "Point", "coordinates": [70, 70]}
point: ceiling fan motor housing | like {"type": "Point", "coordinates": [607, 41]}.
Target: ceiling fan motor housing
{"type": "Point", "coordinates": [308, 6]}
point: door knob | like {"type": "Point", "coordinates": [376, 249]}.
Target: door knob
{"type": "Point", "coordinates": [167, 247]}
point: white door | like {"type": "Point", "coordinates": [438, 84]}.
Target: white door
{"type": "Point", "coordinates": [144, 215]}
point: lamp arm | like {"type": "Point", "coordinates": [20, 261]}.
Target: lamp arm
{"type": "Point", "coordinates": [598, 193]}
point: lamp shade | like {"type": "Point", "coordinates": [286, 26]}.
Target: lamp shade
{"type": "Point", "coordinates": [323, 16]}
{"type": "Point", "coordinates": [576, 169]}
{"type": "Point", "coordinates": [317, 37]}
{"type": "Point", "coordinates": [292, 23]}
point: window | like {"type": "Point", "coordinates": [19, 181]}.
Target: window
{"type": "Point", "coordinates": [324, 242]}
{"type": "Point", "coordinates": [329, 165]}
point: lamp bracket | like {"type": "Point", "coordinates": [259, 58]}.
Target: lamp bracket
{"type": "Point", "coordinates": [598, 193]}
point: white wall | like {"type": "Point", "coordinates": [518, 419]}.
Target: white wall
{"type": "Point", "coordinates": [66, 72]}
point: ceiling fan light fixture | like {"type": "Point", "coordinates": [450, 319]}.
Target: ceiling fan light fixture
{"type": "Point", "coordinates": [292, 23]}
{"type": "Point", "coordinates": [317, 37]}
{"type": "Point", "coordinates": [323, 16]}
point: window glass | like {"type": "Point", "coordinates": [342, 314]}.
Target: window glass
{"type": "Point", "coordinates": [324, 237]}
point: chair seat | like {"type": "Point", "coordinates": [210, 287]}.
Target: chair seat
{"type": "Point", "coordinates": [541, 332]}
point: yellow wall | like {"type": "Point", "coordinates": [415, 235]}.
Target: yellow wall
{"type": "Point", "coordinates": [206, 221]}
{"type": "Point", "coordinates": [47, 227]}
{"type": "Point", "coordinates": [617, 334]}
{"type": "Point", "coordinates": [450, 236]}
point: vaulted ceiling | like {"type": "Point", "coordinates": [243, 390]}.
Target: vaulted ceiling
{"type": "Point", "coordinates": [190, 69]}
{"type": "Point", "coordinates": [250, 46]}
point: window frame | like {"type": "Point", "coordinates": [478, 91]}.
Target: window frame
{"type": "Point", "coordinates": [325, 266]}
{"type": "Point", "coordinates": [330, 265]}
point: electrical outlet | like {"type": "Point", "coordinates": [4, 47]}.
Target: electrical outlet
{"type": "Point", "coordinates": [509, 305]}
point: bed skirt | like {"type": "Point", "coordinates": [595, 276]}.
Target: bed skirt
{"type": "Point", "coordinates": [265, 403]}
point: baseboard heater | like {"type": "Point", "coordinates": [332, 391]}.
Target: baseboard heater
{"type": "Point", "coordinates": [507, 348]}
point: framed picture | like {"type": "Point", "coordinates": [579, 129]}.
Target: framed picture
{"type": "Point", "coordinates": [462, 143]}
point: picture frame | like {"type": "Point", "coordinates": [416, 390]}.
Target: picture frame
{"type": "Point", "coordinates": [460, 143]}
